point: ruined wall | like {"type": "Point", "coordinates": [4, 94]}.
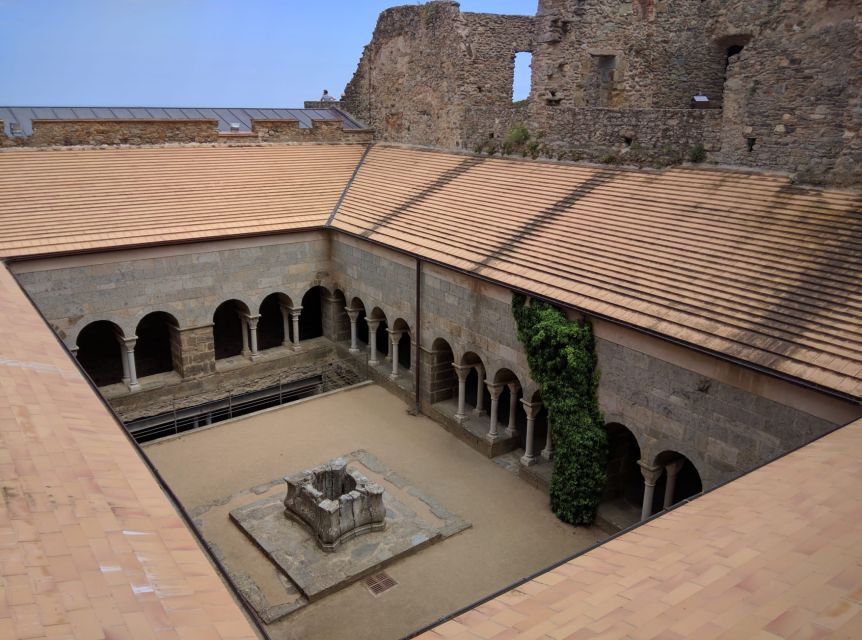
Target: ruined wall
{"type": "Point", "coordinates": [785, 76]}
{"type": "Point", "coordinates": [47, 133]}
{"type": "Point", "coordinates": [427, 63]}
{"type": "Point", "coordinates": [793, 99]}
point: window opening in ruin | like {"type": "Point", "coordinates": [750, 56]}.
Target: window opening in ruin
{"type": "Point", "coordinates": [522, 76]}
{"type": "Point", "coordinates": [732, 50]}
{"type": "Point", "coordinates": [600, 85]}
{"type": "Point", "coordinates": [627, 141]}
{"type": "Point", "coordinates": [750, 142]}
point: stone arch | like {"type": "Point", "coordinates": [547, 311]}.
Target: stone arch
{"type": "Point", "coordinates": [625, 481]}
{"type": "Point", "coordinates": [123, 324]}
{"type": "Point", "coordinates": [443, 381]}
{"type": "Point", "coordinates": [100, 353]}
{"type": "Point", "coordinates": [158, 348]}
{"type": "Point", "coordinates": [477, 394]}
{"type": "Point", "coordinates": [230, 333]}
{"type": "Point", "coordinates": [405, 346]}
{"type": "Point", "coordinates": [510, 414]}
{"type": "Point", "coordinates": [311, 318]}
{"type": "Point", "coordinates": [274, 327]}
{"type": "Point", "coordinates": [680, 480]}
{"type": "Point", "coordinates": [381, 335]}
{"type": "Point", "coordinates": [361, 323]}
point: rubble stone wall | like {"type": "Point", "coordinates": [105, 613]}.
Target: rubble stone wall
{"type": "Point", "coordinates": [784, 75]}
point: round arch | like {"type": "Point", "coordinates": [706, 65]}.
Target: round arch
{"type": "Point", "coordinates": [381, 335]}
{"type": "Point", "coordinates": [361, 322]}
{"type": "Point", "coordinates": [510, 413]}
{"type": "Point", "coordinates": [157, 349]}
{"type": "Point", "coordinates": [311, 318]}
{"type": "Point", "coordinates": [100, 353]}
{"type": "Point", "coordinates": [625, 481]}
{"type": "Point", "coordinates": [405, 346]}
{"type": "Point", "coordinates": [679, 481]}
{"type": "Point", "coordinates": [229, 328]}
{"type": "Point", "coordinates": [274, 327]}
{"type": "Point", "coordinates": [476, 392]}
{"type": "Point", "coordinates": [443, 382]}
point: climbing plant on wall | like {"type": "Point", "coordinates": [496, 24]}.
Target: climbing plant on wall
{"type": "Point", "coordinates": [562, 359]}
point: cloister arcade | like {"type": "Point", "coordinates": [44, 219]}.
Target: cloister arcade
{"type": "Point", "coordinates": [468, 386]}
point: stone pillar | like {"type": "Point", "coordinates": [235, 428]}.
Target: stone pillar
{"type": "Point", "coordinates": [651, 474]}
{"type": "Point", "coordinates": [512, 428]}
{"type": "Point", "coordinates": [673, 469]}
{"type": "Point", "coordinates": [462, 373]}
{"type": "Point", "coordinates": [548, 451]}
{"type": "Point", "coordinates": [124, 358]}
{"type": "Point", "coordinates": [74, 352]}
{"type": "Point", "coordinates": [394, 339]}
{"type": "Point", "coordinates": [294, 317]}
{"type": "Point", "coordinates": [353, 314]}
{"type": "Point", "coordinates": [372, 340]}
{"type": "Point", "coordinates": [480, 397]}
{"type": "Point", "coordinates": [532, 410]}
{"type": "Point", "coordinates": [495, 389]}
{"type": "Point", "coordinates": [285, 319]}
{"type": "Point", "coordinates": [129, 344]}
{"type": "Point", "coordinates": [196, 351]}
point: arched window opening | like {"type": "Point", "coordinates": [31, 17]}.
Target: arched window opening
{"type": "Point", "coordinates": [443, 384]}
{"type": "Point", "coordinates": [361, 323]}
{"type": "Point", "coordinates": [381, 338]}
{"type": "Point", "coordinates": [679, 481]}
{"type": "Point", "coordinates": [339, 321]}
{"type": "Point", "coordinates": [311, 319]}
{"type": "Point", "coordinates": [99, 352]}
{"type": "Point", "coordinates": [509, 404]}
{"type": "Point", "coordinates": [228, 328]}
{"type": "Point", "coordinates": [625, 481]}
{"type": "Point", "coordinates": [157, 348]}
{"type": "Point", "coordinates": [274, 319]}
{"type": "Point", "coordinates": [477, 395]}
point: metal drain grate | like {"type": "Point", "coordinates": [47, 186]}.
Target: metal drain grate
{"type": "Point", "coordinates": [380, 582]}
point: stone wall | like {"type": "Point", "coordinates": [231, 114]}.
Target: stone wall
{"type": "Point", "coordinates": [48, 133]}
{"type": "Point", "coordinates": [724, 418]}
{"type": "Point", "coordinates": [785, 75]}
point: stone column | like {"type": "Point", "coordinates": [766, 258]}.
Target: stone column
{"type": "Point", "coordinates": [294, 317]}
{"type": "Point", "coordinates": [480, 397]}
{"type": "Point", "coordinates": [124, 359]}
{"type": "Point", "coordinates": [252, 329]}
{"type": "Point", "coordinates": [129, 344]}
{"type": "Point", "coordinates": [532, 410]}
{"type": "Point", "coordinates": [394, 339]}
{"type": "Point", "coordinates": [495, 389]}
{"type": "Point", "coordinates": [673, 469]}
{"type": "Point", "coordinates": [462, 373]}
{"type": "Point", "coordinates": [285, 319]}
{"type": "Point", "coordinates": [243, 320]}
{"type": "Point", "coordinates": [372, 340]}
{"type": "Point", "coordinates": [512, 428]}
{"type": "Point", "coordinates": [353, 314]}
{"type": "Point", "coordinates": [74, 352]}
{"type": "Point", "coordinates": [651, 474]}
{"type": "Point", "coordinates": [548, 451]}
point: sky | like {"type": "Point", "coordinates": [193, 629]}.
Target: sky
{"type": "Point", "coordinates": [194, 53]}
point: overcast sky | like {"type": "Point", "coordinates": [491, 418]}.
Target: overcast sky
{"type": "Point", "coordinates": [196, 53]}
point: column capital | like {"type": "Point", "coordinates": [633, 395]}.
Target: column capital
{"type": "Point", "coordinates": [462, 370]}
{"type": "Point", "coordinates": [650, 472]}
{"type": "Point", "coordinates": [372, 323]}
{"type": "Point", "coordinates": [130, 342]}
{"type": "Point", "coordinates": [531, 408]}
{"type": "Point", "coordinates": [295, 310]}
{"type": "Point", "coordinates": [514, 387]}
{"type": "Point", "coordinates": [395, 334]}
{"type": "Point", "coordinates": [352, 313]}
{"type": "Point", "coordinates": [674, 467]}
{"type": "Point", "coordinates": [494, 388]}
{"type": "Point", "coordinates": [251, 318]}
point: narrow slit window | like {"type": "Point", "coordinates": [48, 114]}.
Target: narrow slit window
{"type": "Point", "coordinates": [523, 72]}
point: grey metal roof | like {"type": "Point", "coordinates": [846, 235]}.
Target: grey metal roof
{"type": "Point", "coordinates": [24, 116]}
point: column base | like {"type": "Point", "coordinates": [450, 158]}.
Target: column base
{"type": "Point", "coordinates": [296, 347]}
{"type": "Point", "coordinates": [353, 350]}
{"type": "Point", "coordinates": [254, 356]}
{"type": "Point", "coordinates": [528, 461]}
{"type": "Point", "coordinates": [394, 376]}
{"type": "Point", "coordinates": [548, 455]}
{"type": "Point", "coordinates": [460, 418]}
{"type": "Point", "coordinates": [374, 362]}
{"type": "Point", "coordinates": [493, 437]}
{"type": "Point", "coordinates": [135, 387]}
{"type": "Point", "coordinates": [478, 412]}
{"type": "Point", "coordinates": [511, 433]}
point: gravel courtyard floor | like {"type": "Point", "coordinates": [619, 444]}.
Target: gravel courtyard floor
{"type": "Point", "coordinates": [513, 532]}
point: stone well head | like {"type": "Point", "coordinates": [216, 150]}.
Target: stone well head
{"type": "Point", "coordinates": [335, 503]}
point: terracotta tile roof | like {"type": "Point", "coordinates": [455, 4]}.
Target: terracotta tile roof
{"type": "Point", "coordinates": [742, 264]}
{"type": "Point", "coordinates": [68, 200]}
{"type": "Point", "coordinates": [773, 554]}
{"type": "Point", "coordinates": [90, 546]}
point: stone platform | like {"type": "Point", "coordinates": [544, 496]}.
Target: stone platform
{"type": "Point", "coordinates": [414, 520]}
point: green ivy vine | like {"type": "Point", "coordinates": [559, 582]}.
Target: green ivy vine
{"type": "Point", "coordinates": [562, 359]}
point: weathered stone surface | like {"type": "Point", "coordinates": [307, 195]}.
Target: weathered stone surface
{"type": "Point", "coordinates": [335, 503]}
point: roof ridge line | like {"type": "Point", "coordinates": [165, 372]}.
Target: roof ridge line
{"type": "Point", "coordinates": [343, 195]}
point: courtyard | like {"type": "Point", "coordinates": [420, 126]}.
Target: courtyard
{"type": "Point", "coordinates": [497, 528]}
